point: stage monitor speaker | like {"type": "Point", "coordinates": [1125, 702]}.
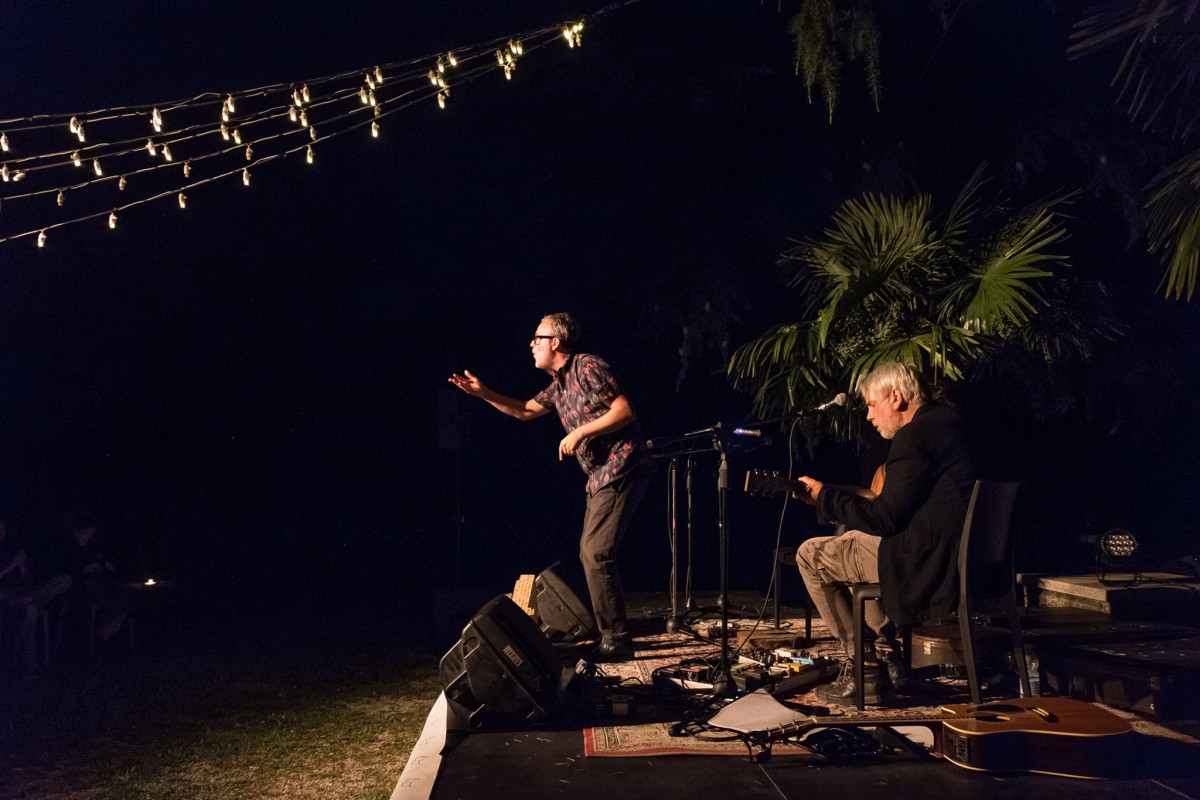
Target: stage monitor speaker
{"type": "Point", "coordinates": [560, 613]}
{"type": "Point", "coordinates": [502, 673]}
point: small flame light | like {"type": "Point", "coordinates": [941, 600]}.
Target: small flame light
{"type": "Point", "coordinates": [112, 220]}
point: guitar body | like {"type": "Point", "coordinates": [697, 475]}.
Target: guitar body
{"type": "Point", "coordinates": [1048, 735]}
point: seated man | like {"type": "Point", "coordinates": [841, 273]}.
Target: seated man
{"type": "Point", "coordinates": [906, 538]}
{"type": "Point", "coordinates": [25, 597]}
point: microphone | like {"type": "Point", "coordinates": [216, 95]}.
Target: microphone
{"type": "Point", "coordinates": [716, 428]}
{"type": "Point", "coordinates": [755, 432]}
{"type": "Point", "coordinates": [840, 400]}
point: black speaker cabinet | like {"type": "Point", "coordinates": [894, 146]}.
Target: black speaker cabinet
{"type": "Point", "coordinates": [560, 614]}
{"type": "Point", "coordinates": [502, 673]}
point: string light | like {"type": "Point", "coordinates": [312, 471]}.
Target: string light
{"type": "Point", "coordinates": [4, 173]}
{"type": "Point", "coordinates": [330, 93]}
{"type": "Point", "coordinates": [112, 220]}
{"type": "Point", "coordinates": [42, 239]}
{"type": "Point", "coordinates": [182, 200]}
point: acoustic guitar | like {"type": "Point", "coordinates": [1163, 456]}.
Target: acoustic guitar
{"type": "Point", "coordinates": [1049, 735]}
{"type": "Point", "coordinates": [762, 482]}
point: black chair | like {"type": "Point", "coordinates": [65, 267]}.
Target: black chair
{"type": "Point", "coordinates": [986, 579]}
{"type": "Point", "coordinates": [41, 635]}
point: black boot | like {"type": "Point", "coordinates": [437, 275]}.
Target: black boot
{"type": "Point", "coordinates": [877, 685]}
{"type": "Point", "coordinates": [610, 650]}
{"type": "Point", "coordinates": [897, 670]}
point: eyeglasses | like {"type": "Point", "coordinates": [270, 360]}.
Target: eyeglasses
{"type": "Point", "coordinates": [537, 336]}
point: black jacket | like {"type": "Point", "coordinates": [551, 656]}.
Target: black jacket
{"type": "Point", "coordinates": [919, 514]}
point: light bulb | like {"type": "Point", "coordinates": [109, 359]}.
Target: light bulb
{"type": "Point", "coordinates": [369, 80]}
{"type": "Point", "coordinates": [4, 142]}
{"type": "Point", "coordinates": [308, 156]}
{"type": "Point", "coordinates": [224, 131]}
{"type": "Point", "coordinates": [182, 200]}
{"type": "Point", "coordinates": [296, 99]}
{"type": "Point", "coordinates": [441, 65]}
{"type": "Point", "coordinates": [73, 125]}
{"type": "Point", "coordinates": [156, 120]}
{"type": "Point", "coordinates": [500, 58]}
{"type": "Point", "coordinates": [520, 48]}
{"type": "Point", "coordinates": [304, 93]}
{"type": "Point", "coordinates": [150, 148]}
{"type": "Point", "coordinates": [76, 159]}
{"type": "Point", "coordinates": [42, 239]}
{"type": "Point", "coordinates": [452, 59]}
{"type": "Point", "coordinates": [96, 167]}
{"type": "Point", "coordinates": [19, 175]}
{"type": "Point", "coordinates": [167, 152]}
{"type": "Point", "coordinates": [60, 199]}
{"type": "Point", "coordinates": [237, 136]}
{"type": "Point", "coordinates": [229, 104]}
{"type": "Point", "coordinates": [4, 173]}
{"type": "Point", "coordinates": [120, 185]}
{"type": "Point", "coordinates": [374, 129]}
{"type": "Point", "coordinates": [433, 76]}
{"type": "Point", "coordinates": [79, 133]}
{"type": "Point", "coordinates": [249, 152]}
{"type": "Point", "coordinates": [371, 99]}
{"type": "Point", "coordinates": [246, 177]}
{"type": "Point", "coordinates": [187, 169]}
{"type": "Point", "coordinates": [362, 95]}
{"type": "Point", "coordinates": [224, 114]}
{"type": "Point", "coordinates": [508, 72]}
{"type": "Point", "coordinates": [441, 100]}
{"type": "Point", "coordinates": [112, 220]}
{"type": "Point", "coordinates": [379, 76]}
{"type": "Point", "coordinates": [303, 119]}
{"type": "Point", "coordinates": [312, 133]}
{"type": "Point", "coordinates": [292, 113]}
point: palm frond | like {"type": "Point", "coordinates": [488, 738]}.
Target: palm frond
{"type": "Point", "coordinates": [999, 289]}
{"type": "Point", "coordinates": [945, 349]}
{"type": "Point", "coordinates": [1174, 224]}
{"type": "Point", "coordinates": [963, 209]}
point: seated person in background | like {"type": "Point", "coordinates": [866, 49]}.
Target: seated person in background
{"type": "Point", "coordinates": [94, 576]}
{"type": "Point", "coordinates": [906, 539]}
{"type": "Point", "coordinates": [21, 595]}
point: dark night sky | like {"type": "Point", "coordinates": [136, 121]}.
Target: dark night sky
{"type": "Point", "coordinates": [255, 381]}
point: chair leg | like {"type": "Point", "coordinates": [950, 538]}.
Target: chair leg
{"type": "Point", "coordinates": [967, 634]}
{"type": "Point", "coordinates": [860, 691]}
{"type": "Point", "coordinates": [1018, 643]}
{"type": "Point", "coordinates": [807, 615]}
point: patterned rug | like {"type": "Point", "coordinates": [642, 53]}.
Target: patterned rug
{"type": "Point", "coordinates": [641, 718]}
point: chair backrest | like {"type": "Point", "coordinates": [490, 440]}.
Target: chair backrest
{"type": "Point", "coordinates": [985, 556]}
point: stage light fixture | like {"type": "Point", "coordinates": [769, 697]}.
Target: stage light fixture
{"type": "Point", "coordinates": [1115, 549]}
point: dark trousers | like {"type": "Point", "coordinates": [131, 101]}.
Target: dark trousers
{"type": "Point", "coordinates": [609, 512]}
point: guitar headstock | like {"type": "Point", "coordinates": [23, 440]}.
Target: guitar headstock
{"type": "Point", "coordinates": [763, 482]}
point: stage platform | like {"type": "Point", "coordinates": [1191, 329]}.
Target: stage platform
{"type": "Point", "coordinates": [561, 756]}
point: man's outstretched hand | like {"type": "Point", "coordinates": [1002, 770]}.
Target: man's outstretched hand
{"type": "Point", "coordinates": [467, 382]}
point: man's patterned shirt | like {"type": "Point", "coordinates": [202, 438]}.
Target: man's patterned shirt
{"type": "Point", "coordinates": [580, 392]}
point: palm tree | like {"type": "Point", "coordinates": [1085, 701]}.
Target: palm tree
{"type": "Point", "coordinates": [887, 281]}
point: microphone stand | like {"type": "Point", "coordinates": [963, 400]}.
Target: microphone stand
{"type": "Point", "coordinates": [673, 505]}
{"type": "Point", "coordinates": [723, 680]}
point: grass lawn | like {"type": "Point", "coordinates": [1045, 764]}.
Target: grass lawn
{"type": "Point", "coordinates": [270, 705]}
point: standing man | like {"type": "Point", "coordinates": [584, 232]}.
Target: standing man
{"type": "Point", "coordinates": [906, 539]}
{"type": "Point", "coordinates": [603, 435]}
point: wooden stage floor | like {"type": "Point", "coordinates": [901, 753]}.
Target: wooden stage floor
{"type": "Point", "coordinates": [548, 760]}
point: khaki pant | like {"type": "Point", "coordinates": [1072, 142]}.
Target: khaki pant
{"type": "Point", "coordinates": [852, 557]}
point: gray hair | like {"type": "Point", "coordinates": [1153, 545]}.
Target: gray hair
{"type": "Point", "coordinates": [905, 378]}
{"type": "Point", "coordinates": [566, 328]}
